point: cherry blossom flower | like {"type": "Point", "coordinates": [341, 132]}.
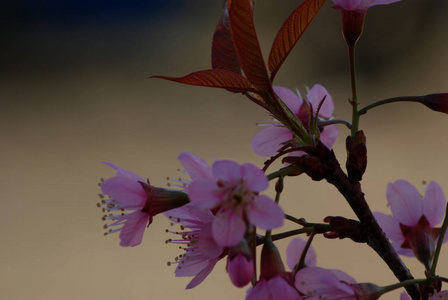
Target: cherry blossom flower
{"type": "Point", "coordinates": [231, 191]}
{"type": "Point", "coordinates": [270, 139]}
{"type": "Point", "coordinates": [360, 5]}
{"type": "Point", "coordinates": [201, 252]}
{"type": "Point", "coordinates": [127, 191]}
{"type": "Point", "coordinates": [411, 228]}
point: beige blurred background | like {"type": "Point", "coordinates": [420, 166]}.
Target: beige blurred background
{"type": "Point", "coordinates": [74, 94]}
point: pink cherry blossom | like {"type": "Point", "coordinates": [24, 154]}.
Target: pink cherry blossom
{"type": "Point", "coordinates": [201, 252]}
{"type": "Point", "coordinates": [240, 269]}
{"type": "Point", "coordinates": [319, 283]}
{"type": "Point", "coordinates": [127, 191]}
{"type": "Point", "coordinates": [270, 139]}
{"type": "Point", "coordinates": [231, 191]}
{"type": "Point", "coordinates": [412, 226]}
{"type": "Point", "coordinates": [360, 5]}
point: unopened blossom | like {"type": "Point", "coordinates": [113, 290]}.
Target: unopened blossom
{"type": "Point", "coordinates": [240, 264]}
{"type": "Point", "coordinates": [129, 192]}
{"type": "Point", "coordinates": [274, 282]}
{"type": "Point", "coordinates": [201, 252]}
{"type": "Point", "coordinates": [273, 137]}
{"type": "Point", "coordinates": [231, 191]}
{"type": "Point", "coordinates": [360, 5]}
{"type": "Point", "coordinates": [412, 226]}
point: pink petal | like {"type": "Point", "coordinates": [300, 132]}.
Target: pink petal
{"type": "Point", "coordinates": [268, 140]}
{"type": "Point", "coordinates": [265, 213]}
{"type": "Point", "coordinates": [132, 232]}
{"type": "Point", "coordinates": [227, 170]}
{"type": "Point", "coordinates": [404, 296]}
{"type": "Point", "coordinates": [203, 274]}
{"type": "Point", "coordinates": [381, 2]}
{"type": "Point", "coordinates": [279, 288]}
{"type": "Point", "coordinates": [315, 96]}
{"type": "Point", "coordinates": [207, 244]}
{"type": "Point", "coordinates": [434, 204]}
{"type": "Point", "coordinates": [124, 173]}
{"type": "Point", "coordinates": [254, 178]}
{"type": "Point", "coordinates": [390, 226]}
{"type": "Point", "coordinates": [329, 135]}
{"type": "Point", "coordinates": [342, 276]}
{"type": "Point", "coordinates": [320, 282]}
{"type": "Point", "coordinates": [260, 291]}
{"type": "Point", "coordinates": [191, 265]}
{"type": "Point", "coordinates": [349, 4]}
{"type": "Point", "coordinates": [405, 202]}
{"type": "Point", "coordinates": [290, 98]}
{"type": "Point", "coordinates": [294, 252]}
{"type": "Point", "coordinates": [195, 166]}
{"type": "Point", "coordinates": [125, 191]}
{"type": "Point", "coordinates": [202, 193]}
{"type": "Point", "coordinates": [228, 228]}
{"type": "Point", "coordinates": [190, 215]}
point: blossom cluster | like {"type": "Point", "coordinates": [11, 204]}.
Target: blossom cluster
{"type": "Point", "coordinates": [223, 210]}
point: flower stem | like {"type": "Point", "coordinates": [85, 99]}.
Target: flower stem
{"type": "Point", "coordinates": [354, 100]}
{"type": "Point", "coordinates": [432, 271]}
{"type": "Point", "coordinates": [390, 100]}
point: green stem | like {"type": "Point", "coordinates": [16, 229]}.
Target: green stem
{"type": "Point", "coordinates": [389, 288]}
{"type": "Point", "coordinates": [354, 100]}
{"type": "Point", "coordinates": [285, 172]}
{"type": "Point", "coordinates": [432, 272]}
{"type": "Point", "coordinates": [334, 121]}
{"type": "Point", "coordinates": [390, 100]}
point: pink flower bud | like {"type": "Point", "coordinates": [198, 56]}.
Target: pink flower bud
{"type": "Point", "coordinates": [240, 269]}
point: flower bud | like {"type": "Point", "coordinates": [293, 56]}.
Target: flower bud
{"type": "Point", "coordinates": [356, 156]}
{"type": "Point", "coordinates": [240, 264]}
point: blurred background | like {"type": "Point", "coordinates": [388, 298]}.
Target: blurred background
{"type": "Point", "coordinates": [74, 91]}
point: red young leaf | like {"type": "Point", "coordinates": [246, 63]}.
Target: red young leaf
{"type": "Point", "coordinates": [242, 28]}
{"type": "Point", "coordinates": [223, 51]}
{"type": "Point", "coordinates": [215, 78]}
{"type": "Point", "coordinates": [290, 33]}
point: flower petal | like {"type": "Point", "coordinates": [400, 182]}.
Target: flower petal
{"type": "Point", "coordinates": [132, 232]}
{"type": "Point", "coordinates": [329, 135]}
{"type": "Point", "coordinates": [191, 264]}
{"type": "Point", "coordinates": [294, 252]}
{"type": "Point", "coordinates": [390, 226]}
{"type": "Point", "coordinates": [228, 228]}
{"type": "Point", "coordinates": [254, 178]}
{"type": "Point", "coordinates": [279, 288]}
{"type": "Point", "coordinates": [405, 202]}
{"type": "Point", "coordinates": [203, 274]}
{"type": "Point", "coordinates": [207, 244]}
{"type": "Point", "coordinates": [434, 204]}
{"type": "Point", "coordinates": [202, 193]}
{"type": "Point", "coordinates": [268, 140]}
{"type": "Point", "coordinates": [125, 191]}
{"type": "Point", "coordinates": [123, 173]}
{"type": "Point", "coordinates": [290, 98]}
{"type": "Point", "coordinates": [227, 170]}
{"type": "Point", "coordinates": [265, 213]}
{"type": "Point", "coordinates": [259, 292]}
{"type": "Point", "coordinates": [195, 166]}
{"type": "Point", "coordinates": [315, 96]}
